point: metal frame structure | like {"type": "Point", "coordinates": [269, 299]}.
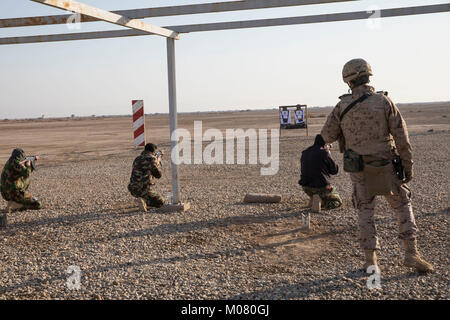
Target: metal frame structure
{"type": "Point", "coordinates": [107, 16]}
{"type": "Point", "coordinates": [346, 16]}
{"type": "Point", "coordinates": [127, 18]}
{"type": "Point", "coordinates": [168, 11]}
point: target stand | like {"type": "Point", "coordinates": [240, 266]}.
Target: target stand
{"type": "Point", "coordinates": [300, 112]}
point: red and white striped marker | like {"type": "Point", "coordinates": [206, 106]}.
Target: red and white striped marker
{"type": "Point", "coordinates": [138, 123]}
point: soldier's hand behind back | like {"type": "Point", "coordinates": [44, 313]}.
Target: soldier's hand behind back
{"type": "Point", "coordinates": [408, 170]}
{"type": "Point", "coordinates": [408, 176]}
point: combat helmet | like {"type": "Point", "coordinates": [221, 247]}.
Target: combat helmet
{"type": "Point", "coordinates": [356, 68]}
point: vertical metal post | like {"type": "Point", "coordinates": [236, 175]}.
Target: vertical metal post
{"type": "Point", "coordinates": [306, 117]}
{"type": "Point", "coordinates": [173, 117]}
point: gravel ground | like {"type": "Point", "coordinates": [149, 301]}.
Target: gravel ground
{"type": "Point", "coordinates": [221, 248]}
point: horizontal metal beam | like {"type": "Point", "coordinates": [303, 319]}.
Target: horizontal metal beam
{"type": "Point", "coordinates": [107, 16]}
{"type": "Point", "coordinates": [167, 11]}
{"type": "Point", "coordinates": [384, 13]}
{"type": "Point", "coordinates": [347, 16]}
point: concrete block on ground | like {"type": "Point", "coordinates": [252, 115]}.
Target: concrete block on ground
{"type": "Point", "coordinates": [180, 207]}
{"type": "Point", "coordinates": [262, 198]}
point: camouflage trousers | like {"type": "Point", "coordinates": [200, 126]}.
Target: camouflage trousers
{"type": "Point", "coordinates": [400, 202]}
{"type": "Point", "coordinates": [152, 198]}
{"type": "Point", "coordinates": [22, 197]}
{"type": "Point", "coordinates": [328, 194]}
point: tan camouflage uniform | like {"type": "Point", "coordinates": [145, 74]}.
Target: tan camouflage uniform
{"type": "Point", "coordinates": [145, 169]}
{"type": "Point", "coordinates": [374, 128]}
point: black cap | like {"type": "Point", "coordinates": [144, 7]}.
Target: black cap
{"type": "Point", "coordinates": [318, 141]}
{"type": "Point", "coordinates": [18, 154]}
{"type": "Point", "coordinates": [151, 147]}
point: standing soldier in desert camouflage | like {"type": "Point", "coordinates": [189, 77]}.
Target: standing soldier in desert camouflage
{"type": "Point", "coordinates": [146, 168]}
{"type": "Point", "coordinates": [372, 133]}
{"type": "Point", "coordinates": [15, 181]}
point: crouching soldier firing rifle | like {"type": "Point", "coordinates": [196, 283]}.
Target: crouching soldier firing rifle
{"type": "Point", "coordinates": [316, 166]}
{"type": "Point", "coordinates": [15, 181]}
{"type": "Point", "coordinates": [146, 168]}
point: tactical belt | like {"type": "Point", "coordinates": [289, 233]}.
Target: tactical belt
{"type": "Point", "coordinates": [351, 105]}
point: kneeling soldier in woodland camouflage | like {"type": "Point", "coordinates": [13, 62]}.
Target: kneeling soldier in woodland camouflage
{"type": "Point", "coordinates": [15, 181]}
{"type": "Point", "coordinates": [374, 138]}
{"type": "Point", "coordinates": [146, 168]}
{"type": "Point", "coordinates": [316, 166]}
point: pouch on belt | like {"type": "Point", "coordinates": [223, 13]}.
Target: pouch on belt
{"type": "Point", "coordinates": [378, 177]}
{"type": "Point", "coordinates": [353, 162]}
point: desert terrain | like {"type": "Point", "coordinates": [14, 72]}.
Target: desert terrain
{"type": "Point", "coordinates": [221, 248]}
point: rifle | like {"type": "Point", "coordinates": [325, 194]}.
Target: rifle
{"type": "Point", "coordinates": [32, 160]}
{"type": "Point", "coordinates": [159, 154]}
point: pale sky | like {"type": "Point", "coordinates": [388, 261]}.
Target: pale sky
{"type": "Point", "coordinates": [221, 70]}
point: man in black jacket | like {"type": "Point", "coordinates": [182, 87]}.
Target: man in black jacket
{"type": "Point", "coordinates": [316, 167]}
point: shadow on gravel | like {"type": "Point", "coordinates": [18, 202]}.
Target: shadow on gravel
{"type": "Point", "coordinates": [202, 256]}
{"type": "Point", "coordinates": [171, 228]}
{"type": "Point", "coordinates": [301, 209]}
{"type": "Point", "coordinates": [37, 283]}
{"type": "Point", "coordinates": [300, 240]}
{"type": "Point", "coordinates": [76, 218]}
{"type": "Point", "coordinates": [303, 290]}
{"type": "Point", "coordinates": [403, 276]}
{"type": "Point", "coordinates": [284, 233]}
{"type": "Point", "coordinates": [438, 213]}
{"type": "Point", "coordinates": [418, 216]}
{"type": "Point", "coordinates": [355, 280]}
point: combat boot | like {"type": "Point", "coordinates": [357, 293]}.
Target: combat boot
{"type": "Point", "coordinates": [413, 259]}
{"type": "Point", "coordinates": [12, 206]}
{"type": "Point", "coordinates": [316, 203]}
{"type": "Point", "coordinates": [3, 219]}
{"type": "Point", "coordinates": [370, 258]}
{"type": "Point", "coordinates": [142, 204]}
